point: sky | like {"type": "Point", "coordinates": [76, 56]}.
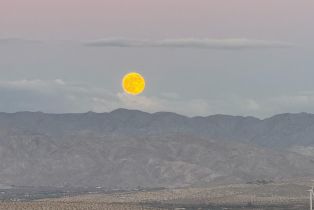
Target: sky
{"type": "Point", "coordinates": [199, 57]}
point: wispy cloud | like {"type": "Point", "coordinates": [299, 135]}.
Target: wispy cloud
{"type": "Point", "coordinates": [54, 96]}
{"type": "Point", "coordinates": [189, 43]}
{"type": "Point", "coordinates": [58, 96]}
{"type": "Point", "coordinates": [210, 44]}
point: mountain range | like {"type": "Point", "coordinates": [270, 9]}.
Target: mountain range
{"type": "Point", "coordinates": [125, 149]}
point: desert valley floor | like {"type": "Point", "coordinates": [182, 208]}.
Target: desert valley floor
{"type": "Point", "coordinates": [272, 196]}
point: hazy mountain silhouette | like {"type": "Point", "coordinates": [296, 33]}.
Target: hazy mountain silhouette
{"type": "Point", "coordinates": [126, 149]}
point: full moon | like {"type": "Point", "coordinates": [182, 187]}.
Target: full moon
{"type": "Point", "coordinates": [133, 83]}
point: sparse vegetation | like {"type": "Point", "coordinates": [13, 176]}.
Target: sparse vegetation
{"type": "Point", "coordinates": [260, 181]}
{"type": "Point", "coordinates": [58, 205]}
{"type": "Point", "coordinates": [273, 196]}
{"type": "Point", "coordinates": [70, 206]}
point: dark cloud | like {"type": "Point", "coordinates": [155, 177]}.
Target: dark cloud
{"type": "Point", "coordinates": [222, 44]}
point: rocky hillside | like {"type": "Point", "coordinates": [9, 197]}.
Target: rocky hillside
{"type": "Point", "coordinates": [126, 149]}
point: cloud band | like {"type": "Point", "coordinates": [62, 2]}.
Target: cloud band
{"type": "Point", "coordinates": [209, 44]}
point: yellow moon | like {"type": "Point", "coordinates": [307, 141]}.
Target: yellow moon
{"type": "Point", "coordinates": [133, 83]}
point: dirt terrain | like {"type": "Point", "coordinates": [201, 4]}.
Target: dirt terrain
{"type": "Point", "coordinates": [279, 196]}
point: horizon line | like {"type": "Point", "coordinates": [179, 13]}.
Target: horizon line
{"type": "Point", "coordinates": [158, 112]}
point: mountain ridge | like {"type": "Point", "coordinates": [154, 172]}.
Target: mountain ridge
{"type": "Point", "coordinates": [129, 148]}
{"type": "Point", "coordinates": [119, 110]}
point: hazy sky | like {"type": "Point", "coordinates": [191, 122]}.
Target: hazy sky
{"type": "Point", "coordinates": [199, 57]}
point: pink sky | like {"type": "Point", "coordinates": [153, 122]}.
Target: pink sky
{"type": "Point", "coordinates": [279, 79]}
{"type": "Point", "coordinates": [78, 19]}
